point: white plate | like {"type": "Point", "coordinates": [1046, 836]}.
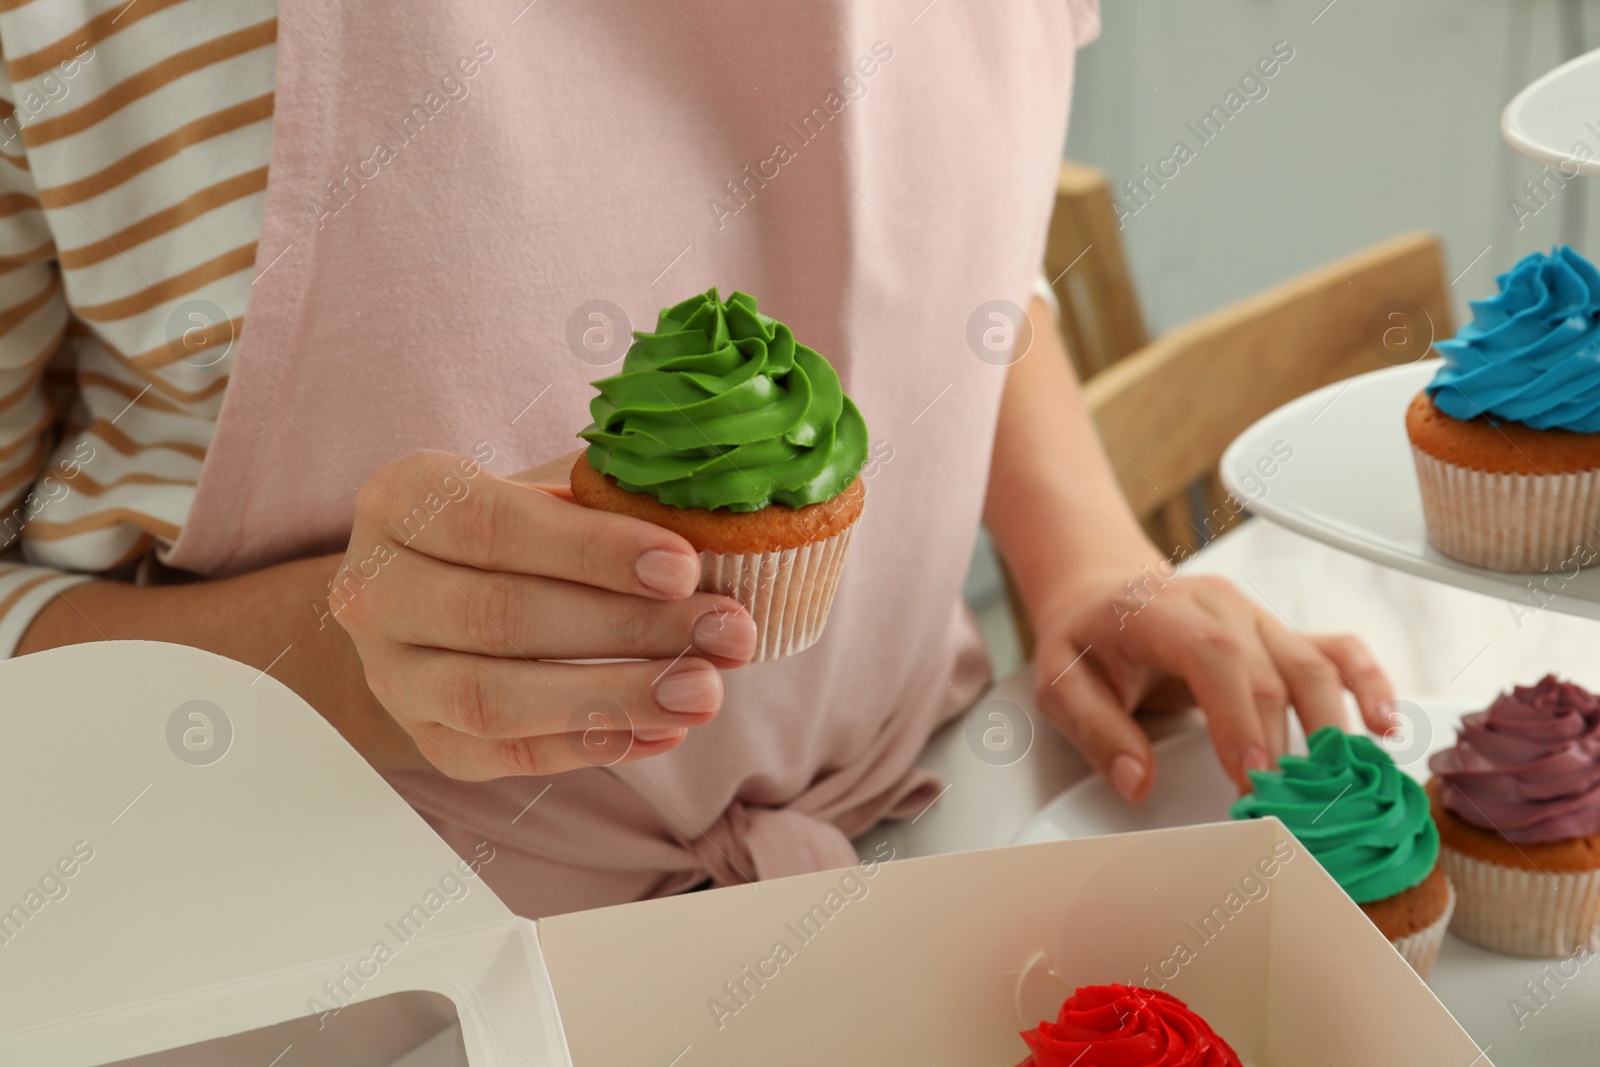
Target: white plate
{"type": "Point", "coordinates": [1477, 986]}
{"type": "Point", "coordinates": [1349, 482]}
{"type": "Point", "coordinates": [1557, 112]}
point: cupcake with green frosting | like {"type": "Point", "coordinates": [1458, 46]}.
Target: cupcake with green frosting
{"type": "Point", "coordinates": [725, 430]}
{"type": "Point", "coordinates": [1368, 823]}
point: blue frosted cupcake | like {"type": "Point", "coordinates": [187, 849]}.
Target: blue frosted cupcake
{"type": "Point", "coordinates": [1506, 437]}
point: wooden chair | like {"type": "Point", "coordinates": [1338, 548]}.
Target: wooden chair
{"type": "Point", "coordinates": [1083, 259]}
{"type": "Point", "coordinates": [1172, 405]}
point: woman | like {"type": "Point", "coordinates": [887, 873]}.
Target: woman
{"type": "Point", "coordinates": [460, 196]}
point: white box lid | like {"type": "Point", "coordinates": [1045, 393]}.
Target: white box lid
{"type": "Point", "coordinates": [231, 873]}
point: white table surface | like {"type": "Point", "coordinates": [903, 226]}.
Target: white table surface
{"type": "Point", "coordinates": [1434, 640]}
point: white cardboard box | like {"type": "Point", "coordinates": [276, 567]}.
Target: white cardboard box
{"type": "Point", "coordinates": [248, 892]}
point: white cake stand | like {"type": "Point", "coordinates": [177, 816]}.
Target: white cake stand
{"type": "Point", "coordinates": [1556, 120]}
{"type": "Point", "coordinates": [1349, 481]}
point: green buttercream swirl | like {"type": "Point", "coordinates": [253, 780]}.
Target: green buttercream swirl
{"type": "Point", "coordinates": [720, 407]}
{"type": "Point", "coordinates": [1365, 820]}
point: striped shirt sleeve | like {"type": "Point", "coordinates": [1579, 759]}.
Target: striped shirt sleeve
{"type": "Point", "coordinates": [135, 141]}
{"type": "Point", "coordinates": [33, 322]}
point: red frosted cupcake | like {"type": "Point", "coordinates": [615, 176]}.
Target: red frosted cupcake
{"type": "Point", "coordinates": [1126, 1026]}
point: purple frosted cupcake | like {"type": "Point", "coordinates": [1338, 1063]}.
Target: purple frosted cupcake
{"type": "Point", "coordinates": [1517, 803]}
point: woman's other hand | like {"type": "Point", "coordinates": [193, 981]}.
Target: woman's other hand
{"type": "Point", "coordinates": [1117, 641]}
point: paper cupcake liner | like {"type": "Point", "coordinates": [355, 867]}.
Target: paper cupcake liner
{"type": "Point", "coordinates": [788, 592]}
{"type": "Point", "coordinates": [1507, 522]}
{"type": "Point", "coordinates": [1421, 949]}
{"type": "Point", "coordinates": [1523, 912]}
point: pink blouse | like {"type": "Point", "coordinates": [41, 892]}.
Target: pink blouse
{"type": "Point", "coordinates": [453, 189]}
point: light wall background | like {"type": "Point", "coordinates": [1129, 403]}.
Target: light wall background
{"type": "Point", "coordinates": [1385, 120]}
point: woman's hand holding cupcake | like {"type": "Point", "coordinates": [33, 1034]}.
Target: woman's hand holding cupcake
{"type": "Point", "coordinates": [459, 621]}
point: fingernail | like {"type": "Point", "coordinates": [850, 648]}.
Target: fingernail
{"type": "Point", "coordinates": [671, 573]}
{"type": "Point", "coordinates": [691, 691]}
{"type": "Point", "coordinates": [1126, 774]}
{"type": "Point", "coordinates": [1254, 759]}
{"type": "Point", "coordinates": [729, 634]}
{"type": "Point", "coordinates": [659, 734]}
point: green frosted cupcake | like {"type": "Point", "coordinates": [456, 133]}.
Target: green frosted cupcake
{"type": "Point", "coordinates": [724, 429]}
{"type": "Point", "coordinates": [1368, 823]}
